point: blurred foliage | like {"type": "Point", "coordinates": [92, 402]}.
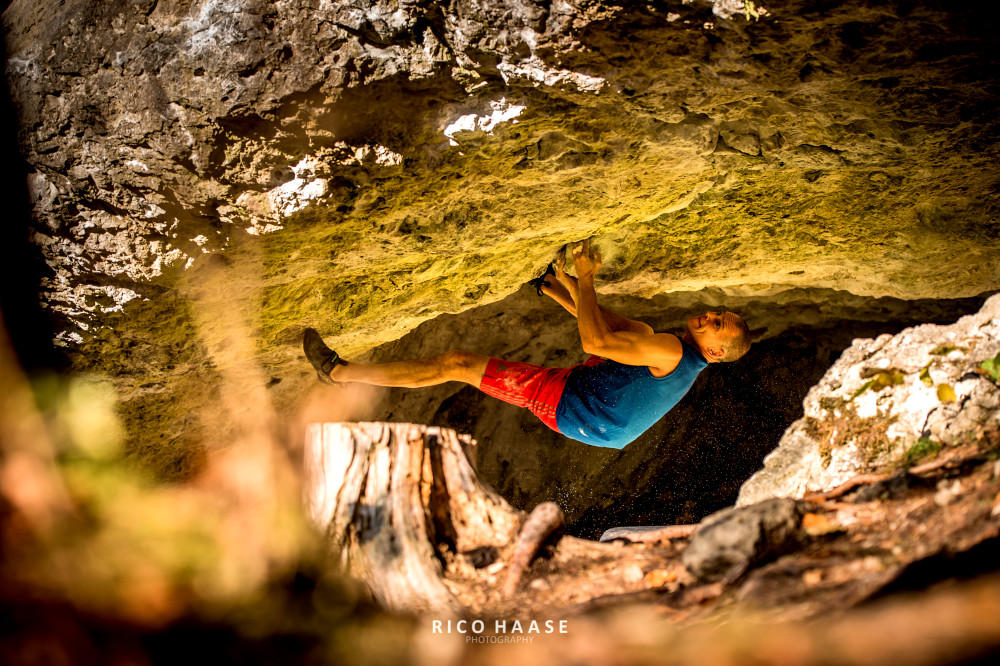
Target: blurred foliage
{"type": "Point", "coordinates": [123, 568]}
{"type": "Point", "coordinates": [925, 447]}
{"type": "Point", "coordinates": [991, 367]}
{"type": "Point", "coordinates": [882, 379]}
{"type": "Point", "coordinates": [946, 393]}
{"type": "Point", "coordinates": [943, 350]}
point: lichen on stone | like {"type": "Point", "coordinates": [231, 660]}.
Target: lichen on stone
{"type": "Point", "coordinates": [866, 436]}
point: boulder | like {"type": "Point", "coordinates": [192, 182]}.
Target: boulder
{"type": "Point", "coordinates": [917, 391]}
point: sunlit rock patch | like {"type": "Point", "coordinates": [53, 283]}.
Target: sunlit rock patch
{"type": "Point", "coordinates": [500, 111]}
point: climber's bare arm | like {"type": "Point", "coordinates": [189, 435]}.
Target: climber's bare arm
{"type": "Point", "coordinates": [661, 352]}
{"type": "Point", "coordinates": [565, 289]}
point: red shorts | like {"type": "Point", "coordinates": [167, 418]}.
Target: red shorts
{"type": "Point", "coordinates": [526, 385]}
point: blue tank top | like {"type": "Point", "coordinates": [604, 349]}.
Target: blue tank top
{"type": "Point", "coordinates": [610, 404]}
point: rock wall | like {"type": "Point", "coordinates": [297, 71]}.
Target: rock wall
{"type": "Point", "coordinates": [396, 160]}
{"type": "Point", "coordinates": [889, 400]}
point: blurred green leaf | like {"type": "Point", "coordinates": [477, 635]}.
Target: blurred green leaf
{"type": "Point", "coordinates": [925, 375]}
{"type": "Point", "coordinates": [864, 388]}
{"type": "Point", "coordinates": [880, 379]}
{"type": "Point", "coordinates": [888, 378]}
{"type": "Point", "coordinates": [923, 448]}
{"type": "Point", "coordinates": [992, 367]}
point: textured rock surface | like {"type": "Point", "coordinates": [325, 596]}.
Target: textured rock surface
{"type": "Point", "coordinates": [829, 144]}
{"type": "Point", "coordinates": [731, 541]}
{"type": "Point", "coordinates": [883, 396]}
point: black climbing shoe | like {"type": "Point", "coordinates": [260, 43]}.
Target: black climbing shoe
{"type": "Point", "coordinates": [540, 281]}
{"type": "Point", "coordinates": [322, 357]}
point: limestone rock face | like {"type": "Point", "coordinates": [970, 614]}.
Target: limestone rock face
{"type": "Point", "coordinates": [881, 398]}
{"type": "Point", "coordinates": [378, 162]}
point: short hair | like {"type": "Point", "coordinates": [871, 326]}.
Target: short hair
{"type": "Point", "coordinates": [738, 344]}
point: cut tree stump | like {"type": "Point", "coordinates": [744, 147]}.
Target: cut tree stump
{"type": "Point", "coordinates": [403, 510]}
{"type": "Point", "coordinates": [397, 501]}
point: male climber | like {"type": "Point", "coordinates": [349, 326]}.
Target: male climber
{"type": "Point", "coordinates": [633, 377]}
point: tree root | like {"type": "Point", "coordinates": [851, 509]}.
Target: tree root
{"type": "Point", "coordinates": [545, 519]}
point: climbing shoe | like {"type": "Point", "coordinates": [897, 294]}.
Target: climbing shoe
{"type": "Point", "coordinates": [540, 281]}
{"type": "Point", "coordinates": [322, 357]}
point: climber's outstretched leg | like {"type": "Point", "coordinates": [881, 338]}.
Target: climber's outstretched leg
{"type": "Point", "coordinates": [457, 366]}
{"type": "Point", "coordinates": [451, 366]}
{"type": "Point", "coordinates": [523, 384]}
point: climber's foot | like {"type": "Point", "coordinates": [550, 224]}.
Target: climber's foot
{"type": "Point", "coordinates": [540, 281]}
{"type": "Point", "coordinates": [322, 357]}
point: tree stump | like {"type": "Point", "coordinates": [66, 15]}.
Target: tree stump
{"type": "Point", "coordinates": [396, 501]}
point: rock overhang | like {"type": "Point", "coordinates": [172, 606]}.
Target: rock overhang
{"type": "Point", "coordinates": [293, 159]}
